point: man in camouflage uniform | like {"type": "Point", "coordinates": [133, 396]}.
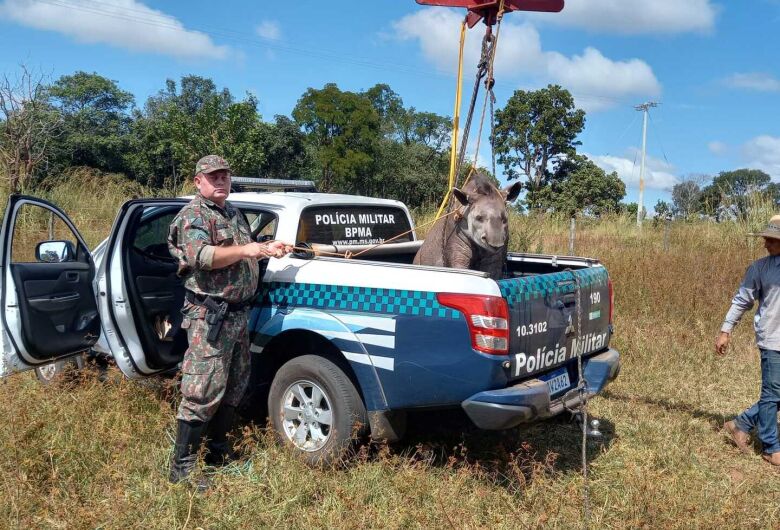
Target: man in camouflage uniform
{"type": "Point", "coordinates": [217, 258]}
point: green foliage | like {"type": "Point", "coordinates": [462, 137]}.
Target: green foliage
{"type": "Point", "coordinates": [536, 129]}
{"type": "Point", "coordinates": [579, 186]}
{"type": "Point", "coordinates": [95, 123]}
{"type": "Point", "coordinates": [412, 173]}
{"type": "Point", "coordinates": [686, 199]}
{"type": "Point", "coordinates": [287, 155]}
{"type": "Point", "coordinates": [388, 105]}
{"type": "Point", "coordinates": [181, 124]}
{"type": "Point", "coordinates": [663, 210]}
{"type": "Point", "coordinates": [369, 143]}
{"type": "Point", "coordinates": [344, 126]}
{"type": "Point", "coordinates": [731, 192]}
{"type": "Point", "coordinates": [629, 209]}
{"type": "Point", "coordinates": [351, 142]}
{"type": "Point", "coordinates": [413, 154]}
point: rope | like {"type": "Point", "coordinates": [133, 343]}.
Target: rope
{"type": "Point", "coordinates": [386, 241]}
{"type": "Point", "coordinates": [455, 120]}
{"type": "Point", "coordinates": [582, 390]}
{"type": "Point", "coordinates": [484, 68]}
{"type": "Point", "coordinates": [350, 255]}
{"type": "Point", "coordinates": [492, 132]}
{"type": "Point", "coordinates": [489, 82]}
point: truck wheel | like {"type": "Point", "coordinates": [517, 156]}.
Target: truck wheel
{"type": "Point", "coordinates": [49, 373]}
{"type": "Point", "coordinates": [315, 407]}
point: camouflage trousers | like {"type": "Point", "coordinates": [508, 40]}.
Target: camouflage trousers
{"type": "Point", "coordinates": [213, 374]}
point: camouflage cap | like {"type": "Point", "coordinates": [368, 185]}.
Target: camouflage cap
{"type": "Point", "coordinates": [210, 163]}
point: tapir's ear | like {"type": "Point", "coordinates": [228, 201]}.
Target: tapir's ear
{"type": "Point", "coordinates": [510, 193]}
{"type": "Point", "coordinates": [462, 198]}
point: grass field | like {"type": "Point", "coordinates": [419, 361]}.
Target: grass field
{"type": "Point", "coordinates": [92, 454]}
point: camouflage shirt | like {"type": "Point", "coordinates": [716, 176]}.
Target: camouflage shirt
{"type": "Point", "coordinates": [195, 232]}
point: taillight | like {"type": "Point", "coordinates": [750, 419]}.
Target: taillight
{"type": "Point", "coordinates": [611, 300]}
{"type": "Point", "coordinates": [487, 317]}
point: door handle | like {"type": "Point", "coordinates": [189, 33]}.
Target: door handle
{"type": "Point", "coordinates": [72, 276]}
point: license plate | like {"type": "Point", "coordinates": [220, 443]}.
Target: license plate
{"type": "Point", "coordinates": [557, 381]}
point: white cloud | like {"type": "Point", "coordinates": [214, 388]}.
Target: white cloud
{"type": "Point", "coordinates": [763, 152]}
{"type": "Point", "coordinates": [596, 81]}
{"type": "Point", "coordinates": [717, 148]}
{"type": "Point", "coordinates": [269, 29]}
{"type": "Point", "coordinates": [658, 173]}
{"type": "Point", "coordinates": [127, 24]}
{"type": "Point", "coordinates": [635, 16]}
{"type": "Point", "coordinates": [597, 78]}
{"type": "Point", "coordinates": [758, 81]}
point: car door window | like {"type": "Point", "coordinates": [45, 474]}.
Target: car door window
{"type": "Point", "coordinates": [151, 238]}
{"type": "Point", "coordinates": [262, 223]}
{"type": "Point", "coordinates": [36, 225]}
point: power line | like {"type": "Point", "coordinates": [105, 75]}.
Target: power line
{"type": "Point", "coordinates": [660, 141]}
{"type": "Point", "coordinates": [628, 127]}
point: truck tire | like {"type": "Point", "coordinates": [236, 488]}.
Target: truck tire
{"type": "Point", "coordinates": [315, 408]}
{"type": "Point", "coordinates": [49, 373]}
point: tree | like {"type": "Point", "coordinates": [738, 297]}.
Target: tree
{"type": "Point", "coordinates": [412, 154]}
{"type": "Point", "coordinates": [388, 105]}
{"type": "Point", "coordinates": [630, 209]}
{"type": "Point", "coordinates": [731, 192]}
{"type": "Point", "coordinates": [663, 210]}
{"type": "Point", "coordinates": [344, 128]}
{"type": "Point", "coordinates": [579, 186]}
{"type": "Point", "coordinates": [183, 123]}
{"type": "Point", "coordinates": [28, 125]}
{"type": "Point", "coordinates": [285, 149]}
{"type": "Point", "coordinates": [96, 123]}
{"type": "Point", "coordinates": [537, 129]}
{"type": "Point", "coordinates": [686, 199]}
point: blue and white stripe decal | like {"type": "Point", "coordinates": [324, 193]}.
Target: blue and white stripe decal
{"type": "Point", "coordinates": [386, 363]}
{"type": "Point", "coordinates": [365, 339]}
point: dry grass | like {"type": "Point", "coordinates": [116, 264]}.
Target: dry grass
{"type": "Point", "coordinates": [91, 454]}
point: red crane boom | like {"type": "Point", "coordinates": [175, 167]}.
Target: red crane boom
{"type": "Point", "coordinates": [488, 9]}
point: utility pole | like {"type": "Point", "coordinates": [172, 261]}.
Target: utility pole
{"type": "Point", "coordinates": [644, 107]}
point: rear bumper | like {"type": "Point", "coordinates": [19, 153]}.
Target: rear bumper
{"type": "Point", "coordinates": [528, 401]}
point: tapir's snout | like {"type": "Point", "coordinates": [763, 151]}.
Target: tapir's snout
{"type": "Point", "coordinates": [493, 234]}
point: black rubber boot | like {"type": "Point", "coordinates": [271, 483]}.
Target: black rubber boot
{"type": "Point", "coordinates": [185, 453]}
{"type": "Point", "coordinates": [219, 451]}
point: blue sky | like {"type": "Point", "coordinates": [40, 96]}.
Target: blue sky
{"type": "Point", "coordinates": [711, 64]}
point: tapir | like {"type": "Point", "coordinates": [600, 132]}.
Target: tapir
{"type": "Point", "coordinates": [477, 236]}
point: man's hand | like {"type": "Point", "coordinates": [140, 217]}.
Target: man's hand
{"type": "Point", "coordinates": [271, 249]}
{"type": "Point", "coordinates": [278, 249]}
{"type": "Point", "coordinates": [722, 343]}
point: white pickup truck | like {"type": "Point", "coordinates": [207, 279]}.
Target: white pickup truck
{"type": "Point", "coordinates": [333, 339]}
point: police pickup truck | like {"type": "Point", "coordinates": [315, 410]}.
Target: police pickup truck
{"type": "Point", "coordinates": [341, 347]}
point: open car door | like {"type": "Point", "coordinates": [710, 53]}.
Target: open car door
{"type": "Point", "coordinates": [49, 309]}
{"type": "Point", "coordinates": [140, 294]}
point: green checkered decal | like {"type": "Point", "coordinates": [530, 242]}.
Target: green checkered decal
{"type": "Point", "coordinates": [517, 290]}
{"type": "Point", "coordinates": [345, 298]}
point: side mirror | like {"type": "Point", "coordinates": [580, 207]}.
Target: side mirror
{"type": "Point", "coordinates": [55, 251]}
